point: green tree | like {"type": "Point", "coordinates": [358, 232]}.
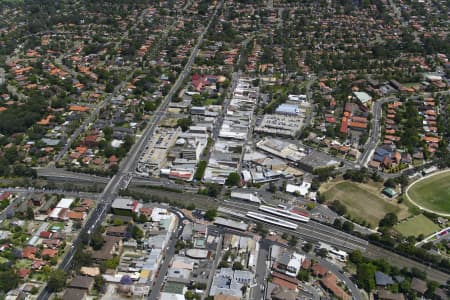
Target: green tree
{"type": "Point", "coordinates": [30, 213]}
{"type": "Point", "coordinates": [180, 245]}
{"type": "Point", "coordinates": [213, 189]}
{"type": "Point", "coordinates": [322, 252]}
{"type": "Point", "coordinates": [11, 154]}
{"type": "Point", "coordinates": [8, 280]}
{"type": "Point", "coordinates": [260, 229]}
{"type": "Point", "coordinates": [356, 257]}
{"type": "Point", "coordinates": [189, 295]}
{"type": "Point", "coordinates": [389, 220]}
{"type": "Point", "coordinates": [107, 131]}
{"type": "Point", "coordinates": [337, 223]}
{"type": "Point", "coordinates": [303, 275]}
{"type": "Point", "coordinates": [99, 283]}
{"type": "Point", "coordinates": [200, 171]}
{"type": "Point", "coordinates": [137, 233]}
{"type": "Point", "coordinates": [82, 258]}
{"type": "Point", "coordinates": [348, 226]}
{"type": "Point", "coordinates": [310, 206]}
{"type": "Point", "coordinates": [142, 218]}
{"type": "Point", "coordinates": [211, 214]}
{"type": "Point", "coordinates": [307, 247]}
{"type": "Point", "coordinates": [184, 123]}
{"type": "Point", "coordinates": [57, 280]}
{"type": "Point", "coordinates": [237, 266]}
{"type": "Point", "coordinates": [403, 180]}
{"type": "Point", "coordinates": [365, 276]}
{"type": "Point", "coordinates": [431, 288]}
{"type": "Point", "coordinates": [97, 240]}
{"type": "Point", "coordinates": [110, 263]}
{"type": "Point", "coordinates": [233, 179]}
{"type": "Point", "coordinates": [293, 241]}
{"type": "Point", "coordinates": [338, 207]}
{"type": "Point", "coordinates": [128, 142]}
{"type": "Point", "coordinates": [390, 183]}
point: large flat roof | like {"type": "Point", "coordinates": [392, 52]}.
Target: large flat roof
{"type": "Point", "coordinates": [231, 223]}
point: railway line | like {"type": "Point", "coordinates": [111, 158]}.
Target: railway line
{"type": "Point", "coordinates": [311, 231]}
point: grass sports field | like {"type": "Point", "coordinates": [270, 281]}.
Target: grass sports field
{"type": "Point", "coordinates": [417, 225]}
{"type": "Point", "coordinates": [363, 201]}
{"type": "Point", "coordinates": [432, 193]}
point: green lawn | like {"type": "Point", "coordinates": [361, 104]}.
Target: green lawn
{"type": "Point", "coordinates": [23, 263]}
{"type": "Point", "coordinates": [362, 202]}
{"type": "Point", "coordinates": [3, 260]}
{"type": "Point", "coordinates": [432, 193]}
{"type": "Point", "coordinates": [211, 101]}
{"type": "Point", "coordinates": [55, 225]}
{"type": "Point", "coordinates": [417, 225]}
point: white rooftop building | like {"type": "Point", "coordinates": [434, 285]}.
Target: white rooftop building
{"type": "Point", "coordinates": [245, 196]}
{"type": "Point", "coordinates": [288, 109]}
{"type": "Point", "coordinates": [302, 189]}
{"type": "Point", "coordinates": [65, 203]}
{"type": "Point", "coordinates": [297, 98]}
{"type": "Point", "coordinates": [363, 97]}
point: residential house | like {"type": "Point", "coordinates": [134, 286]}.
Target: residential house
{"type": "Point", "coordinates": [82, 282]}
{"type": "Point", "coordinates": [319, 270]}
{"type": "Point", "coordinates": [419, 286]}
{"type": "Point", "coordinates": [388, 295]}
{"type": "Point", "coordinates": [74, 294]}
{"type": "Point", "coordinates": [112, 245]}
{"type": "Point", "coordinates": [382, 279]}
{"type": "Point", "coordinates": [119, 231]}
{"type": "Point", "coordinates": [329, 282]}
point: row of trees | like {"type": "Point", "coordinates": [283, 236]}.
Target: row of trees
{"type": "Point", "coordinates": [365, 275]}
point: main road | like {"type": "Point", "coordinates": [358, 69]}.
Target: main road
{"type": "Point", "coordinates": [129, 162]}
{"type": "Point", "coordinates": [372, 143]}
{"type": "Point", "coordinates": [94, 113]}
{"type": "Point", "coordinates": [169, 253]}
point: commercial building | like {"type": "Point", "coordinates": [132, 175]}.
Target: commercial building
{"type": "Point", "coordinates": [229, 282]}
{"type": "Point", "coordinates": [230, 224]}
{"type": "Point", "coordinates": [281, 149]}
{"type": "Point", "coordinates": [302, 189]}
{"type": "Point", "coordinates": [363, 98]}
{"type": "Point", "coordinates": [287, 109]}
{"type": "Point", "coordinates": [245, 196]}
{"type": "Point", "coordinates": [226, 155]}
{"type": "Point", "coordinates": [286, 125]}
{"type": "Point", "coordinates": [154, 157]}
{"type": "Point", "coordinates": [125, 205]}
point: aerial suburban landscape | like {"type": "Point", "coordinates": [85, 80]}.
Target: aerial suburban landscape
{"type": "Point", "coordinates": [224, 149]}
